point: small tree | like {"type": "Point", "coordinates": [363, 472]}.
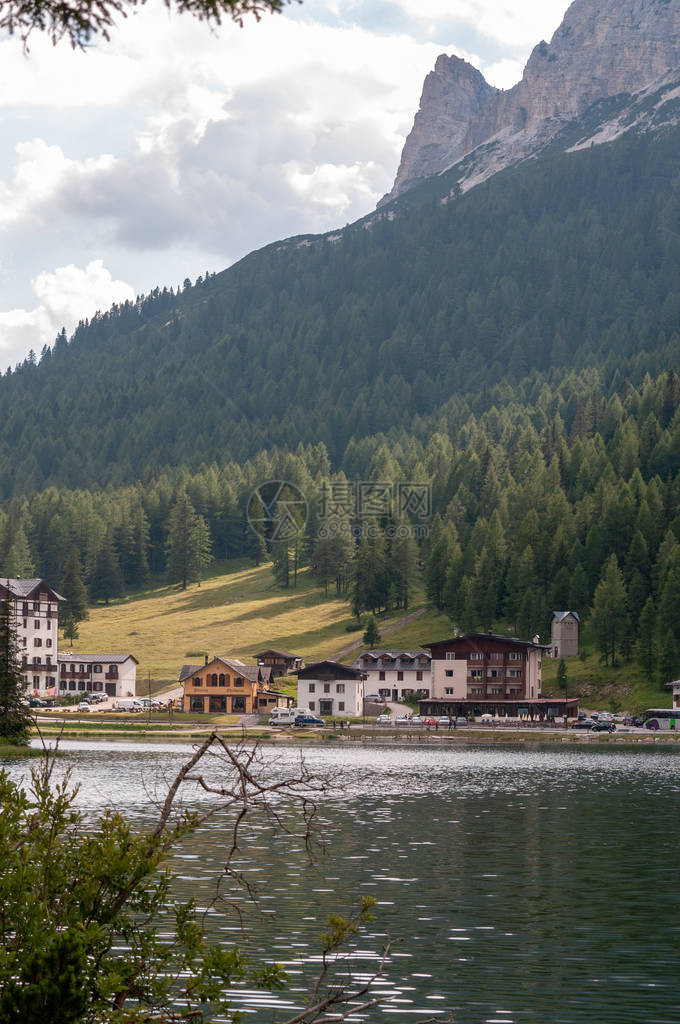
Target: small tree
{"type": "Point", "coordinates": [371, 633]}
{"type": "Point", "coordinates": [69, 625]}
{"type": "Point", "coordinates": [562, 680]}
{"type": "Point", "coordinates": [15, 717]}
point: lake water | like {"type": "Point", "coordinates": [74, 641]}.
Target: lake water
{"type": "Point", "coordinates": [526, 885]}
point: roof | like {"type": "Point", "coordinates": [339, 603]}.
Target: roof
{"type": "Point", "coordinates": [114, 659]}
{"type": "Point", "coordinates": [188, 670]}
{"type": "Point", "coordinates": [24, 588]}
{"type": "Point", "coordinates": [251, 672]}
{"type": "Point", "coordinates": [331, 668]}
{"type": "Point", "coordinates": [402, 658]}
{"type": "Point", "coordinates": [273, 650]}
{"type": "Point", "coordinates": [477, 637]}
{"type": "Point", "coordinates": [676, 682]}
{"type": "Point", "coordinates": [561, 616]}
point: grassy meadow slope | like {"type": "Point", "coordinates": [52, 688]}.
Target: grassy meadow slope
{"type": "Point", "coordinates": [237, 611]}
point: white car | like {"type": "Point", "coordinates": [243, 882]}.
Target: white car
{"type": "Point", "coordinates": [84, 706]}
{"type": "Point", "coordinates": [383, 720]}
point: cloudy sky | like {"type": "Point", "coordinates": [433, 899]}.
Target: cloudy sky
{"type": "Point", "coordinates": [172, 150]}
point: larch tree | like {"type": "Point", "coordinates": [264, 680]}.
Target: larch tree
{"type": "Point", "coordinates": [14, 714]}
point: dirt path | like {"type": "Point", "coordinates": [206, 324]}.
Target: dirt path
{"type": "Point", "coordinates": [356, 644]}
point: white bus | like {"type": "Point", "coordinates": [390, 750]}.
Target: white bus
{"type": "Point", "coordinates": [662, 718]}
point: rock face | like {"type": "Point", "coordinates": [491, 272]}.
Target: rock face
{"type": "Point", "coordinates": [602, 48]}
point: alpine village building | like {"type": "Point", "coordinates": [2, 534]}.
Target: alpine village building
{"type": "Point", "coordinates": [396, 675]}
{"type": "Point", "coordinates": [228, 686]}
{"type": "Point", "coordinates": [483, 673]}
{"type": "Point", "coordinates": [34, 608]}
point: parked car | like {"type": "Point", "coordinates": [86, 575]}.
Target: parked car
{"type": "Point", "coordinates": [374, 698]}
{"type": "Point", "coordinates": [36, 702]}
{"type": "Point", "coordinates": [584, 723]}
{"type": "Point", "coordinates": [638, 722]}
{"type": "Point", "coordinates": [308, 720]}
{"type": "Point", "coordinates": [444, 721]}
{"type": "Point", "coordinates": [84, 705]}
{"type": "Point", "coordinates": [461, 720]}
{"type": "Point", "coordinates": [384, 720]}
{"type": "Point", "coordinates": [149, 702]}
{"type": "Point", "coordinates": [403, 720]}
{"type": "Point", "coordinates": [416, 720]}
{"type": "Point", "coordinates": [603, 727]}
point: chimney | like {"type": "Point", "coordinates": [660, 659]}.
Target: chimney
{"type": "Point", "coordinates": [206, 659]}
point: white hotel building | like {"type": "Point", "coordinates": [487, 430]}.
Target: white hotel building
{"type": "Point", "coordinates": [35, 610]}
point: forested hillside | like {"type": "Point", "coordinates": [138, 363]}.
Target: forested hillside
{"type": "Point", "coordinates": [550, 498]}
{"type": "Point", "coordinates": [567, 262]}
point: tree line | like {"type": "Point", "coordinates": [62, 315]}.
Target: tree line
{"type": "Point", "coordinates": [555, 498]}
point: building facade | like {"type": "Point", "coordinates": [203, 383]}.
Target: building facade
{"type": "Point", "coordinates": [396, 675]}
{"type": "Point", "coordinates": [112, 674]}
{"type": "Point", "coordinates": [34, 606]}
{"type": "Point", "coordinates": [328, 688]}
{"type": "Point", "coordinates": [564, 634]}
{"type": "Point", "coordinates": [281, 663]}
{"type": "Point", "coordinates": [483, 673]}
{"type": "Point", "coordinates": [228, 686]}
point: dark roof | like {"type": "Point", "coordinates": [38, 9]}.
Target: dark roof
{"type": "Point", "coordinates": [560, 616]}
{"type": "Point", "coordinates": [329, 668]}
{"type": "Point", "coordinates": [114, 659]}
{"type": "Point", "coordinates": [476, 637]}
{"type": "Point", "coordinates": [24, 588]}
{"type": "Point", "coordinates": [273, 650]}
{"type": "Point", "coordinates": [188, 670]}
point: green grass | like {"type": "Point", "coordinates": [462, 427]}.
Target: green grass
{"type": "Point", "coordinates": [617, 688]}
{"type": "Point", "coordinates": [237, 611]}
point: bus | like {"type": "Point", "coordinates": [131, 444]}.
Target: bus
{"type": "Point", "coordinates": [662, 718]}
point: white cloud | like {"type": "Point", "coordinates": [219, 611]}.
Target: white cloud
{"type": "Point", "coordinates": [67, 295]}
{"type": "Point", "coordinates": [170, 141]}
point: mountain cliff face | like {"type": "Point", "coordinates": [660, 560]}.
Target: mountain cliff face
{"type": "Point", "coordinates": [602, 49]}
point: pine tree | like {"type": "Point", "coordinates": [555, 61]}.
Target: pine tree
{"type": "Point", "coordinates": [72, 586]}
{"type": "Point", "coordinates": [107, 580]}
{"type": "Point", "coordinates": [14, 714]}
{"type": "Point", "coordinates": [371, 633]}
{"type": "Point", "coordinates": [609, 612]}
{"type": "Point", "coordinates": [188, 542]}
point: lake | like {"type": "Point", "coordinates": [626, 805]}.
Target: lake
{"type": "Point", "coordinates": [525, 885]}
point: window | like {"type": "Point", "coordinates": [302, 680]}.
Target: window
{"type": "Point", "coordinates": [326, 687]}
{"type": "Point", "coordinates": [381, 675]}
{"type": "Point", "coordinates": [198, 681]}
{"type": "Point", "coordinates": [97, 686]}
{"type": "Point", "coordinates": [448, 672]}
{"type": "Point", "coordinates": [341, 705]}
{"type": "Point", "coordinates": [37, 642]}
{"type": "Point", "coordinates": [113, 672]}
{"type": "Point", "coordinates": [72, 684]}
{"type": "Point", "coordinates": [400, 676]}
{"type": "Point", "coordinates": [312, 687]}
{"type": "Point", "coordinates": [515, 673]}
{"type": "Point", "coordinates": [36, 680]}
{"type": "Point", "coordinates": [196, 704]}
{"type": "Point", "coordinates": [95, 668]}
{"type": "Point", "coordinates": [339, 687]}
{"type": "Point", "coordinates": [36, 623]}
{"type": "Point", "coordinates": [419, 676]}
{"type": "Point", "coordinates": [450, 656]}
{"type": "Point", "coordinates": [222, 683]}
{"type": "Point", "coordinates": [477, 673]}
{"type": "Point", "coordinates": [25, 623]}
{"type": "Point", "coordinates": [516, 656]}
{"type": "Point", "coordinates": [476, 656]}
{"type": "Point", "coordinates": [238, 682]}
{"type": "Point", "coordinates": [312, 705]}
{"type": "Point", "coordinates": [36, 606]}
{"type": "Point", "coordinates": [448, 690]}
{"type": "Point", "coordinates": [214, 679]}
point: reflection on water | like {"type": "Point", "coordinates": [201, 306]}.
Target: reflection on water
{"type": "Point", "coordinates": [526, 885]}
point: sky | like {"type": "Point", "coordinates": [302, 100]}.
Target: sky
{"type": "Point", "coordinates": [173, 150]}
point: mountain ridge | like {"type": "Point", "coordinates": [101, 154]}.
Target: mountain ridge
{"type": "Point", "coordinates": [602, 49]}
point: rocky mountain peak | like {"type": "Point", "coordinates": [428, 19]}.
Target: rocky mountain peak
{"type": "Point", "coordinates": [603, 48]}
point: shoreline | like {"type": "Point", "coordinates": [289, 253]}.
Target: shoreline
{"type": "Point", "coordinates": [359, 734]}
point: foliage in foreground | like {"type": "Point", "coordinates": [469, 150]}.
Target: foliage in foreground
{"type": "Point", "coordinates": [90, 930]}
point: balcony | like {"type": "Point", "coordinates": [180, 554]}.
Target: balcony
{"type": "Point", "coordinates": [111, 675]}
